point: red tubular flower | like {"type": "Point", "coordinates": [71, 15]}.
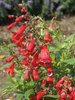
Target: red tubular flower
{"type": "Point", "coordinates": [29, 36]}
{"type": "Point", "coordinates": [70, 89]}
{"type": "Point", "coordinates": [10, 16]}
{"type": "Point", "coordinates": [18, 19]}
{"type": "Point", "coordinates": [18, 34]}
{"type": "Point", "coordinates": [63, 96]}
{"type": "Point", "coordinates": [21, 29]}
{"type": "Point", "coordinates": [44, 57]}
{"type": "Point", "coordinates": [72, 95]}
{"type": "Point", "coordinates": [19, 5]}
{"type": "Point", "coordinates": [46, 39]}
{"type": "Point", "coordinates": [44, 82]}
{"type": "Point", "coordinates": [20, 42]}
{"type": "Point", "coordinates": [13, 37]}
{"type": "Point", "coordinates": [40, 46]}
{"type": "Point", "coordinates": [26, 76]}
{"type": "Point", "coordinates": [51, 39]}
{"type": "Point", "coordinates": [35, 75]}
{"type": "Point", "coordinates": [10, 59]}
{"type": "Point", "coordinates": [11, 26]}
{"type": "Point", "coordinates": [25, 61]}
{"type": "Point", "coordinates": [33, 98]}
{"type": "Point", "coordinates": [25, 44]}
{"type": "Point", "coordinates": [23, 10]}
{"type": "Point", "coordinates": [10, 70]}
{"type": "Point", "coordinates": [58, 84]}
{"type": "Point", "coordinates": [39, 95]}
{"type": "Point", "coordinates": [31, 46]}
{"type": "Point", "coordinates": [49, 69]}
{"type": "Point", "coordinates": [50, 78]}
{"type": "Point", "coordinates": [35, 58]}
{"type": "Point", "coordinates": [33, 52]}
{"type": "Point", "coordinates": [26, 17]}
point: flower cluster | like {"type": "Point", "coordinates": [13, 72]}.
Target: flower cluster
{"type": "Point", "coordinates": [64, 88]}
{"type": "Point", "coordinates": [36, 58]}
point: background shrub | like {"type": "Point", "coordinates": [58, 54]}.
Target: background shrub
{"type": "Point", "coordinates": [38, 7]}
{"type": "Point", "coordinates": [8, 7]}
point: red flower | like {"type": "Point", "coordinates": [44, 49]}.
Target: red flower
{"type": "Point", "coordinates": [10, 70]}
{"type": "Point", "coordinates": [58, 84]}
{"type": "Point", "coordinates": [10, 59]}
{"type": "Point", "coordinates": [44, 82]}
{"type": "Point", "coordinates": [40, 95]}
{"type": "Point", "coordinates": [63, 96]}
{"type": "Point", "coordinates": [18, 34]}
{"type": "Point", "coordinates": [25, 44]}
{"type": "Point", "coordinates": [22, 10]}
{"type": "Point", "coordinates": [25, 61]}
{"type": "Point", "coordinates": [18, 19]}
{"type": "Point", "coordinates": [33, 98]}
{"type": "Point", "coordinates": [50, 78]}
{"type": "Point", "coordinates": [44, 57]}
{"type": "Point", "coordinates": [72, 95]}
{"type": "Point", "coordinates": [33, 52]}
{"type": "Point", "coordinates": [29, 36]}
{"type": "Point", "coordinates": [40, 46]}
{"type": "Point", "coordinates": [26, 17]}
{"type": "Point", "coordinates": [35, 58]}
{"type": "Point", "coordinates": [26, 76]}
{"type": "Point", "coordinates": [11, 26]}
{"type": "Point", "coordinates": [21, 29]}
{"type": "Point", "coordinates": [31, 45]}
{"type": "Point", "coordinates": [49, 69]}
{"type": "Point", "coordinates": [20, 42]}
{"type": "Point", "coordinates": [46, 39]}
{"type": "Point", "coordinates": [35, 75]}
{"type": "Point", "coordinates": [10, 16]}
{"type": "Point", "coordinates": [19, 5]}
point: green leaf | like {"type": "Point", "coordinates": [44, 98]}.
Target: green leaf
{"type": "Point", "coordinates": [28, 93]}
{"type": "Point", "coordinates": [64, 44]}
{"type": "Point", "coordinates": [4, 88]}
{"type": "Point", "coordinates": [11, 45]}
{"type": "Point", "coordinates": [11, 80]}
{"type": "Point", "coordinates": [19, 97]}
{"type": "Point", "coordinates": [7, 65]}
{"type": "Point", "coordinates": [7, 84]}
{"type": "Point", "coordinates": [70, 37]}
{"type": "Point", "coordinates": [70, 61]}
{"type": "Point", "coordinates": [52, 96]}
{"type": "Point", "coordinates": [19, 93]}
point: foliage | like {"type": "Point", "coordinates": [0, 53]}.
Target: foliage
{"type": "Point", "coordinates": [42, 60]}
{"type": "Point", "coordinates": [51, 7]}
{"type": "Point", "coordinates": [69, 6]}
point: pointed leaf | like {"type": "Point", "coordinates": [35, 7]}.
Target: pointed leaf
{"type": "Point", "coordinates": [7, 65]}
{"type": "Point", "coordinates": [52, 96]}
{"type": "Point", "coordinates": [70, 61]}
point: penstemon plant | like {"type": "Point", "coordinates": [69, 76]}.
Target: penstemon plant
{"type": "Point", "coordinates": [42, 62]}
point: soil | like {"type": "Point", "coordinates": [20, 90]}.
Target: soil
{"type": "Point", "coordinates": [67, 26]}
